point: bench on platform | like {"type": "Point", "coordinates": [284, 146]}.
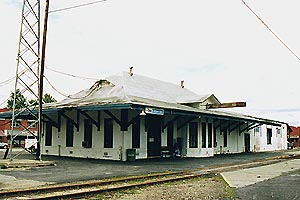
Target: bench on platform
{"type": "Point", "coordinates": [167, 151]}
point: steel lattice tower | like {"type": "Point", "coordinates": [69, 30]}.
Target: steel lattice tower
{"type": "Point", "coordinates": [27, 80]}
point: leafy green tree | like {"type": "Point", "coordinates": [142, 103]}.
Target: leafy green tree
{"type": "Point", "coordinates": [21, 101]}
{"type": "Point", "coordinates": [33, 102]}
{"type": "Point", "coordinates": [48, 98]}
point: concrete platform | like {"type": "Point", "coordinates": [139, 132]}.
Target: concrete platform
{"type": "Point", "coordinates": [21, 159]}
{"type": "Point", "coordinates": [245, 177]}
{"type": "Point", "coordinates": [24, 163]}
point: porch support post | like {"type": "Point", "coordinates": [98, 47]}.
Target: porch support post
{"type": "Point", "coordinates": [96, 123]}
{"type": "Point", "coordinates": [186, 122]}
{"type": "Point", "coordinates": [69, 118]}
{"type": "Point", "coordinates": [54, 123]}
{"type": "Point", "coordinates": [234, 127]}
{"type": "Point", "coordinates": [132, 120]}
{"type": "Point", "coordinates": [113, 117]}
{"type": "Point", "coordinates": [254, 126]}
{"type": "Point", "coordinates": [219, 125]}
{"type": "Point", "coordinates": [173, 120]}
{"type": "Point", "coordinates": [247, 127]}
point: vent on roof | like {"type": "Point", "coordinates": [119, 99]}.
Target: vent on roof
{"type": "Point", "coordinates": [130, 71]}
{"type": "Point", "coordinates": [181, 84]}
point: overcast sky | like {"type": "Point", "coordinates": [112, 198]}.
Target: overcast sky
{"type": "Point", "coordinates": [218, 47]}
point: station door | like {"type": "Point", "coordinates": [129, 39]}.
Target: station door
{"type": "Point", "coordinates": [154, 123]}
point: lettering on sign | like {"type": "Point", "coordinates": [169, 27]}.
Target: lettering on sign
{"type": "Point", "coordinates": [154, 111]}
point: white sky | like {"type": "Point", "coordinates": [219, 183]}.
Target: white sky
{"type": "Point", "coordinates": [216, 46]}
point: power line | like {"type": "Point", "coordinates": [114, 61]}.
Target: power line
{"type": "Point", "coordinates": [67, 96]}
{"type": "Point", "coordinates": [71, 75]}
{"type": "Point", "coordinates": [270, 30]}
{"type": "Point", "coordinates": [52, 86]}
{"type": "Point", "coordinates": [5, 101]}
{"type": "Point", "coordinates": [7, 81]}
{"type": "Point", "coordinates": [3, 83]}
{"type": "Point", "coordinates": [77, 6]}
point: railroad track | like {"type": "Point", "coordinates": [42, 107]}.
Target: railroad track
{"type": "Point", "coordinates": [94, 187]}
{"type": "Point", "coordinates": [72, 190]}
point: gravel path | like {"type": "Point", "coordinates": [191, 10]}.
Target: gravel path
{"type": "Point", "coordinates": [199, 188]}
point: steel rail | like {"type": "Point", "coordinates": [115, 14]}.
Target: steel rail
{"type": "Point", "coordinates": [114, 188]}
{"type": "Point", "coordinates": [160, 178]}
{"type": "Point", "coordinates": [84, 184]}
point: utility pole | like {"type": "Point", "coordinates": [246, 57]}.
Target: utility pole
{"type": "Point", "coordinates": [41, 82]}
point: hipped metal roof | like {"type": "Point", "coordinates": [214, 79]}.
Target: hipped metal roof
{"type": "Point", "coordinates": [127, 91]}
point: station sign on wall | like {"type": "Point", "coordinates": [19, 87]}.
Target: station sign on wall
{"type": "Point", "coordinates": [154, 111]}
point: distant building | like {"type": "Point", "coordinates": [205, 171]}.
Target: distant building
{"type": "Point", "coordinates": [294, 136]}
{"type": "Point", "coordinates": [19, 133]}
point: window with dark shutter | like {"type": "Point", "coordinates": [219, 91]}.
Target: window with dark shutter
{"type": "Point", "coordinates": [88, 134]}
{"type": "Point", "coordinates": [210, 139]}
{"type": "Point", "coordinates": [48, 136]}
{"type": "Point", "coordinates": [69, 134]}
{"type": "Point", "coordinates": [203, 135]}
{"type": "Point", "coordinates": [193, 135]}
{"type": "Point", "coordinates": [269, 136]}
{"type": "Point", "coordinates": [108, 133]}
{"type": "Point", "coordinates": [136, 133]}
{"type": "Point", "coordinates": [225, 137]}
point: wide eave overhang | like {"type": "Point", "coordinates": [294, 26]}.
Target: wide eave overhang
{"type": "Point", "coordinates": [174, 109]}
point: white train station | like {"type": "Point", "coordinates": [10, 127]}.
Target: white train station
{"type": "Point", "coordinates": [131, 115]}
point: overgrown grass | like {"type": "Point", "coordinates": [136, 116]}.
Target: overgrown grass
{"type": "Point", "coordinates": [229, 191]}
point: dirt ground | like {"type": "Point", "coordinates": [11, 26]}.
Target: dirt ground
{"type": "Point", "coordinates": [198, 188]}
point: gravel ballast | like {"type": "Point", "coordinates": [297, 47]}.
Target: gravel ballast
{"type": "Point", "coordinates": [197, 188]}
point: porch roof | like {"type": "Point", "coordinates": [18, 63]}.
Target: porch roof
{"type": "Point", "coordinates": [138, 92]}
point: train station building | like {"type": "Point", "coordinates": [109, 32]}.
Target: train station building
{"type": "Point", "coordinates": [151, 118]}
{"type": "Point", "coordinates": [129, 116]}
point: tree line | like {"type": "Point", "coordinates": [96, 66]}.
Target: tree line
{"type": "Point", "coordinates": [22, 101]}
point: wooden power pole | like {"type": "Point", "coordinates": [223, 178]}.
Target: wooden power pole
{"type": "Point", "coordinates": [41, 82]}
